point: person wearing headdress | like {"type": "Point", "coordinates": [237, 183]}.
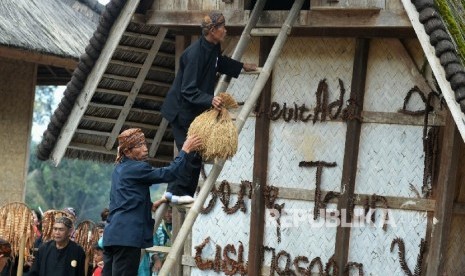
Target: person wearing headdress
{"type": "Point", "coordinates": [130, 223]}
{"type": "Point", "coordinates": [61, 256]}
{"type": "Point", "coordinates": [192, 92]}
{"type": "Point", "coordinates": [5, 253]}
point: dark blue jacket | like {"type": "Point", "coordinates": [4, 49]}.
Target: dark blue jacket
{"type": "Point", "coordinates": [75, 260]}
{"type": "Point", "coordinates": [194, 85]}
{"type": "Point", "coordinates": [130, 220]}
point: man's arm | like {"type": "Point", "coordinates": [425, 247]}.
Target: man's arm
{"type": "Point", "coordinates": [233, 67]}
{"type": "Point", "coordinates": [179, 168]}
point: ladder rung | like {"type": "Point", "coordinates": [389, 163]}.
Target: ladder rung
{"type": "Point", "coordinates": [256, 72]}
{"type": "Point", "coordinates": [265, 31]}
{"type": "Point", "coordinates": [153, 249]}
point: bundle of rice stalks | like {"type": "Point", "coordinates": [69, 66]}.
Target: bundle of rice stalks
{"type": "Point", "coordinates": [15, 224]}
{"type": "Point", "coordinates": [217, 131]}
{"type": "Point", "coordinates": [48, 220]}
{"type": "Point", "coordinates": [86, 235]}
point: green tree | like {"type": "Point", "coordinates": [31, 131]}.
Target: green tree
{"type": "Point", "coordinates": [82, 184]}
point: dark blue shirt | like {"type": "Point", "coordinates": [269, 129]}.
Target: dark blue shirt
{"type": "Point", "coordinates": [130, 220]}
{"type": "Point", "coordinates": [194, 85]}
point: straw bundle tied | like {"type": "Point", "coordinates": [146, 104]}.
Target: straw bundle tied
{"type": "Point", "coordinates": [15, 224]}
{"type": "Point", "coordinates": [86, 236]}
{"type": "Point", "coordinates": [217, 131]}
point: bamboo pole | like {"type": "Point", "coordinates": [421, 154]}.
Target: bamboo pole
{"type": "Point", "coordinates": [86, 265]}
{"type": "Point", "coordinates": [242, 43]}
{"type": "Point", "coordinates": [246, 110]}
{"type": "Point", "coordinates": [159, 213]}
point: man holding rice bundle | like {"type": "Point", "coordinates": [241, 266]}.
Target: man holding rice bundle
{"type": "Point", "coordinates": [130, 224]}
{"type": "Point", "coordinates": [192, 93]}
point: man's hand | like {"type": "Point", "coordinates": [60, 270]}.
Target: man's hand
{"type": "Point", "coordinates": [192, 143]}
{"type": "Point", "coordinates": [159, 202]}
{"type": "Point", "coordinates": [157, 265]}
{"type": "Point", "coordinates": [217, 103]}
{"type": "Point", "coordinates": [249, 67]}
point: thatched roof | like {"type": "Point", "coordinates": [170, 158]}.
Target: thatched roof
{"type": "Point", "coordinates": [443, 21]}
{"type": "Point", "coordinates": [91, 138]}
{"type": "Point", "coordinates": [449, 49]}
{"type": "Point", "coordinates": [57, 27]}
{"type": "Point", "coordinates": [103, 111]}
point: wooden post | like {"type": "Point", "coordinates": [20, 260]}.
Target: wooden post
{"type": "Point", "coordinates": [260, 169]}
{"type": "Point", "coordinates": [349, 170]}
{"type": "Point", "coordinates": [444, 198]}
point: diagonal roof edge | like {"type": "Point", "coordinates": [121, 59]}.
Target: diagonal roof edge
{"type": "Point", "coordinates": [441, 54]}
{"type": "Point", "coordinates": [80, 75]}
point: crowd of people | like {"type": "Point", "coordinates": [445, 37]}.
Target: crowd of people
{"type": "Point", "coordinates": [127, 226]}
{"type": "Point", "coordinates": [63, 256]}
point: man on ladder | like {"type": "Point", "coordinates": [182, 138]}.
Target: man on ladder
{"type": "Point", "coordinates": [193, 93]}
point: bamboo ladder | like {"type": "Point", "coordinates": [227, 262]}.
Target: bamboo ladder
{"type": "Point", "coordinates": [265, 72]}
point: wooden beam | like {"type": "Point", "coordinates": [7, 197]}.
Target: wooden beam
{"type": "Point", "coordinates": [181, 44]}
{"type": "Point", "coordinates": [40, 58]}
{"type": "Point", "coordinates": [112, 106]}
{"type": "Point", "coordinates": [139, 65]}
{"type": "Point", "coordinates": [349, 170]}
{"type": "Point", "coordinates": [438, 70]}
{"type": "Point", "coordinates": [92, 81]}
{"type": "Point", "coordinates": [157, 140]}
{"type": "Point", "coordinates": [106, 134]}
{"type": "Point", "coordinates": [126, 93]}
{"type": "Point", "coordinates": [113, 121]}
{"type": "Point", "coordinates": [146, 36]}
{"type": "Point", "coordinates": [435, 119]}
{"type": "Point", "coordinates": [444, 199]}
{"type": "Point", "coordinates": [260, 168]}
{"type": "Point", "coordinates": [136, 87]}
{"type": "Point", "coordinates": [141, 50]}
{"type": "Point", "coordinates": [133, 79]}
{"type": "Point", "coordinates": [312, 21]}
{"type": "Point", "coordinates": [397, 203]}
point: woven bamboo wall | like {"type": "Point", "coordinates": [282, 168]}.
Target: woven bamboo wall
{"type": "Point", "coordinates": [17, 80]}
{"type": "Point", "coordinates": [390, 162]}
{"type": "Point", "coordinates": [222, 228]}
{"type": "Point", "coordinates": [303, 63]}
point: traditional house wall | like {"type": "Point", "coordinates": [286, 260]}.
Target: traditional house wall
{"type": "Point", "coordinates": [17, 84]}
{"type": "Point", "coordinates": [390, 165]}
